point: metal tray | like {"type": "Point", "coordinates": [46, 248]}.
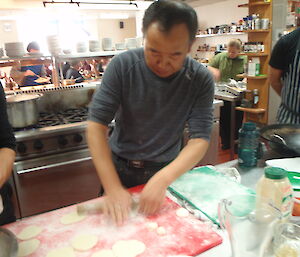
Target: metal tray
{"type": "Point", "coordinates": [8, 243]}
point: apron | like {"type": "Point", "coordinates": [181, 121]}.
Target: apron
{"type": "Point", "coordinates": [30, 80]}
{"type": "Point", "coordinates": [289, 110]}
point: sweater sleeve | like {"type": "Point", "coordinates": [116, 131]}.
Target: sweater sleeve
{"type": "Point", "coordinates": [7, 139]}
{"type": "Point", "coordinates": [107, 98]}
{"type": "Point", "coordinates": [201, 116]}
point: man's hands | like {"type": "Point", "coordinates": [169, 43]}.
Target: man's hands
{"type": "Point", "coordinates": [152, 195]}
{"type": "Point", "coordinates": [117, 205]}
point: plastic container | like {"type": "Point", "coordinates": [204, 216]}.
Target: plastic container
{"type": "Point", "coordinates": [248, 145]}
{"type": "Point", "coordinates": [275, 188]}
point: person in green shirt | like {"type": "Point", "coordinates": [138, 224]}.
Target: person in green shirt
{"type": "Point", "coordinates": [225, 66]}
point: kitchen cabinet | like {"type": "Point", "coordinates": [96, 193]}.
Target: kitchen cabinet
{"type": "Point", "coordinates": [259, 114]}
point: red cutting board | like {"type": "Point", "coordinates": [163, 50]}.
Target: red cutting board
{"type": "Point", "coordinates": [184, 236]}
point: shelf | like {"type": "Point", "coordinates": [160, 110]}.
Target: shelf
{"type": "Point", "coordinates": [254, 4]}
{"type": "Point", "coordinates": [262, 76]}
{"type": "Point", "coordinates": [223, 34]}
{"type": "Point", "coordinates": [255, 54]}
{"type": "Point", "coordinates": [257, 31]}
{"type": "Point", "coordinates": [24, 58]}
{"type": "Point", "coordinates": [251, 110]}
{"type": "Point", "coordinates": [90, 54]}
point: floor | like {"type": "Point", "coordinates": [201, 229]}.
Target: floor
{"type": "Point", "coordinates": [224, 155]}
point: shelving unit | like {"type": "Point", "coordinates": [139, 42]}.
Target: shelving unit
{"type": "Point", "coordinates": [222, 34]}
{"type": "Point", "coordinates": [260, 113]}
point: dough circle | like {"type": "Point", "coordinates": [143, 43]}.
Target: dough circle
{"type": "Point", "coordinates": [161, 231]}
{"type": "Point", "coordinates": [61, 252]}
{"type": "Point", "coordinates": [71, 217]}
{"type": "Point", "coordinates": [84, 242]}
{"type": "Point", "coordinates": [29, 232]}
{"type": "Point", "coordinates": [128, 248]}
{"type": "Point", "coordinates": [181, 212]}
{"type": "Point", "coordinates": [152, 225]}
{"type": "Point", "coordinates": [104, 253]}
{"type": "Point", "coordinates": [28, 247]}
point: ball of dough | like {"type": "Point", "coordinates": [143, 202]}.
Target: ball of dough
{"type": "Point", "coordinates": [181, 212]}
{"type": "Point", "coordinates": [61, 252]}
{"type": "Point", "coordinates": [84, 242]}
{"type": "Point", "coordinates": [128, 248]}
{"type": "Point", "coordinates": [104, 253]}
{"type": "Point", "coordinates": [28, 247]}
{"type": "Point", "coordinates": [72, 217]}
{"type": "Point", "coordinates": [152, 225]}
{"type": "Point", "coordinates": [161, 231]}
{"type": "Point", "coordinates": [29, 232]}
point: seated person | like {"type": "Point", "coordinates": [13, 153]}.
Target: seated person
{"type": "Point", "coordinates": [27, 75]}
{"type": "Point", "coordinates": [73, 73]}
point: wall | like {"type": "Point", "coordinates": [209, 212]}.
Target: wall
{"type": "Point", "coordinates": [111, 28]}
{"type": "Point", "coordinates": [8, 31]}
{"type": "Point", "coordinates": [218, 13]}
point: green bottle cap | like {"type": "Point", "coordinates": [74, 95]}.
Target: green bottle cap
{"type": "Point", "coordinates": [275, 173]}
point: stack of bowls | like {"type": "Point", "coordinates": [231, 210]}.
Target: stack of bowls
{"type": "Point", "coordinates": [94, 46]}
{"type": "Point", "coordinates": [53, 44]}
{"type": "Point", "coordinates": [130, 43]}
{"type": "Point", "coordinates": [120, 46]}
{"type": "Point", "coordinates": [14, 49]}
{"type": "Point", "coordinates": [107, 44]}
{"type": "Point", "coordinates": [81, 47]}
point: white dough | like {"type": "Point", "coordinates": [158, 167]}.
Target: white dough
{"type": "Point", "coordinates": [181, 212]}
{"type": "Point", "coordinates": [28, 247]}
{"type": "Point", "coordinates": [71, 217]}
{"type": "Point", "coordinates": [29, 232]}
{"type": "Point", "coordinates": [152, 225]}
{"type": "Point", "coordinates": [104, 253]}
{"type": "Point", "coordinates": [84, 242]}
{"type": "Point", "coordinates": [128, 248]}
{"type": "Point", "coordinates": [62, 252]}
{"type": "Point", "coordinates": [161, 231]}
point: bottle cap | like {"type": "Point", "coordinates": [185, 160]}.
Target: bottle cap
{"type": "Point", "coordinates": [275, 173]}
{"type": "Point", "coordinates": [249, 126]}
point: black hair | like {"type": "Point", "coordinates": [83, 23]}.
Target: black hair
{"type": "Point", "coordinates": [169, 13]}
{"type": "Point", "coordinates": [33, 45]}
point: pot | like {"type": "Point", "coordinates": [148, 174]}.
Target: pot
{"type": "Point", "coordinates": [22, 110]}
{"type": "Point", "coordinates": [283, 138]}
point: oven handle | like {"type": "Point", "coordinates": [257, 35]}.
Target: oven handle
{"type": "Point", "coordinates": [53, 165]}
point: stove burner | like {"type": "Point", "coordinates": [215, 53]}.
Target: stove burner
{"type": "Point", "coordinates": [63, 117]}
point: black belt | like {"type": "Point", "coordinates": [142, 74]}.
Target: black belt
{"type": "Point", "coordinates": [141, 164]}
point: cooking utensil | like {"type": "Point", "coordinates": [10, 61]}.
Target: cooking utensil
{"type": "Point", "coordinates": [8, 243]}
{"type": "Point", "coordinates": [22, 110]}
{"type": "Point", "coordinates": [283, 138]}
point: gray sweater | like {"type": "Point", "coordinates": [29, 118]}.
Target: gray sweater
{"type": "Point", "coordinates": [151, 112]}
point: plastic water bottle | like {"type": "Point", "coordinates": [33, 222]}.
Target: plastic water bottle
{"type": "Point", "coordinates": [248, 145]}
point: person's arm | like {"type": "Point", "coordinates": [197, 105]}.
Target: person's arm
{"type": "Point", "coordinates": [117, 199]}
{"type": "Point", "coordinates": [275, 79]}
{"type": "Point", "coordinates": [213, 67]}
{"type": "Point", "coordinates": [43, 71]}
{"type": "Point", "coordinates": [7, 142]}
{"type": "Point", "coordinates": [200, 124]}
{"type": "Point", "coordinates": [18, 75]}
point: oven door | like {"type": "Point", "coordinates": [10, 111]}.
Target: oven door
{"type": "Point", "coordinates": [51, 182]}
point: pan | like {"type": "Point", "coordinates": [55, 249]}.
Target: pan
{"type": "Point", "coordinates": [283, 138]}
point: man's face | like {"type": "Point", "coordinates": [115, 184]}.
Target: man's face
{"type": "Point", "coordinates": [233, 52]}
{"type": "Point", "coordinates": [165, 52]}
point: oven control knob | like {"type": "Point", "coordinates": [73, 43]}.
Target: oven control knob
{"type": "Point", "coordinates": [38, 145]}
{"type": "Point", "coordinates": [21, 148]}
{"type": "Point", "coordinates": [62, 140]}
{"type": "Point", "coordinates": [77, 138]}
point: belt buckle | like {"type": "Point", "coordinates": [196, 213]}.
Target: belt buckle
{"type": "Point", "coordinates": [136, 164]}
